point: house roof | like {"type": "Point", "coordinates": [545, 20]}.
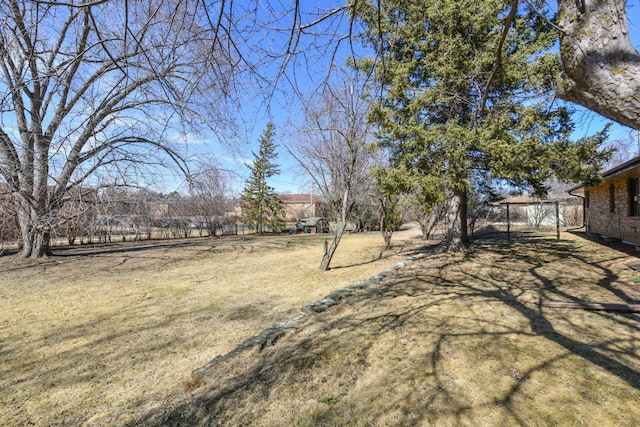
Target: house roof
{"type": "Point", "coordinates": [300, 198]}
{"type": "Point", "coordinates": [628, 168]}
{"type": "Point", "coordinates": [526, 199]}
{"type": "Point", "coordinates": [620, 169]}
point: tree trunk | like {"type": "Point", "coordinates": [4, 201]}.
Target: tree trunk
{"type": "Point", "coordinates": [601, 67]}
{"type": "Point", "coordinates": [35, 234]}
{"type": "Point", "coordinates": [386, 233]}
{"type": "Point", "coordinates": [341, 225]}
{"type": "Point", "coordinates": [457, 232]}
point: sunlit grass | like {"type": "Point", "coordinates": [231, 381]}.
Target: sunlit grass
{"type": "Point", "coordinates": [100, 335]}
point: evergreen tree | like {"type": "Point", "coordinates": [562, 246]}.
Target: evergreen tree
{"type": "Point", "coordinates": [454, 116]}
{"type": "Point", "coordinates": [262, 207]}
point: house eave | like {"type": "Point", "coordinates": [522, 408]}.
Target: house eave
{"type": "Point", "coordinates": [625, 170]}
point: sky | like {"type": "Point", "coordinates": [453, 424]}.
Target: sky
{"type": "Point", "coordinates": [284, 107]}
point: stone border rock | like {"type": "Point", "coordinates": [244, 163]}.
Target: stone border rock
{"type": "Point", "coordinates": [270, 336]}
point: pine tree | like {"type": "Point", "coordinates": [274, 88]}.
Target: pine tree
{"type": "Point", "coordinates": [453, 115]}
{"type": "Point", "coordinates": [262, 207]}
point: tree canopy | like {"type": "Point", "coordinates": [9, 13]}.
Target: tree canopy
{"type": "Point", "coordinates": [450, 113]}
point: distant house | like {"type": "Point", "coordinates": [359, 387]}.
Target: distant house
{"type": "Point", "coordinates": [612, 209]}
{"type": "Point", "coordinates": [297, 206]}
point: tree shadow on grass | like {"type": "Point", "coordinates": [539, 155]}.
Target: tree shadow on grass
{"type": "Point", "coordinates": [452, 339]}
{"type": "Point", "coordinates": [405, 250]}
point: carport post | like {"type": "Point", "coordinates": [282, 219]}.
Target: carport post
{"type": "Point", "coordinates": [508, 224]}
{"type": "Point", "coordinates": [557, 221]}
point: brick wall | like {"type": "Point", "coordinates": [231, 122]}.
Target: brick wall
{"type": "Point", "coordinates": [601, 220]}
{"type": "Point", "coordinates": [296, 210]}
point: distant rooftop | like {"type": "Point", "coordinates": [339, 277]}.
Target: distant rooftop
{"type": "Point", "coordinates": [301, 198]}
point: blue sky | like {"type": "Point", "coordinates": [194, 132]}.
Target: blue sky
{"type": "Point", "coordinates": [285, 107]}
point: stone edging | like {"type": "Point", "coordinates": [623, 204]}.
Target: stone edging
{"type": "Point", "coordinates": [271, 335]}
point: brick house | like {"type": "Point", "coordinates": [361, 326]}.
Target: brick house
{"type": "Point", "coordinates": [612, 208]}
{"type": "Point", "coordinates": [297, 206]}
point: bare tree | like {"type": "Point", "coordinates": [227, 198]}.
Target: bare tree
{"type": "Point", "coordinates": [387, 190]}
{"type": "Point", "coordinates": [624, 149]}
{"type": "Point", "coordinates": [573, 216]}
{"type": "Point", "coordinates": [8, 226]}
{"type": "Point", "coordinates": [176, 219]}
{"type": "Point", "coordinates": [78, 215]}
{"type": "Point", "coordinates": [539, 214]}
{"type": "Point", "coordinates": [142, 214]}
{"type": "Point", "coordinates": [429, 219]}
{"type": "Point", "coordinates": [480, 206]}
{"type": "Point", "coordinates": [211, 190]}
{"type": "Point", "coordinates": [98, 88]}
{"type": "Point", "coordinates": [332, 149]}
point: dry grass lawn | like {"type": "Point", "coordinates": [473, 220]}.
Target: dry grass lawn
{"type": "Point", "coordinates": [452, 340]}
{"type": "Point", "coordinates": [105, 335]}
